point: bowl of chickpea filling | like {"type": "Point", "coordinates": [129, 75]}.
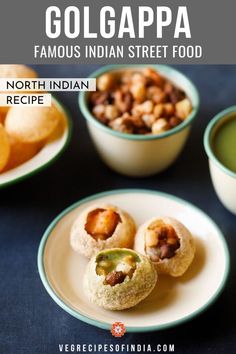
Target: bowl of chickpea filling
{"type": "Point", "coordinates": [139, 117]}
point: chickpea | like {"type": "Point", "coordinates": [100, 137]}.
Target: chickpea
{"type": "Point", "coordinates": [123, 101]}
{"type": "Point", "coordinates": [99, 111]}
{"type": "Point", "coordinates": [114, 278]}
{"type": "Point", "coordinates": [139, 78]}
{"type": "Point", "coordinates": [156, 94]}
{"type": "Point", "coordinates": [169, 109]}
{"type": "Point", "coordinates": [105, 82]}
{"type": "Point", "coordinates": [147, 107]}
{"type": "Point", "coordinates": [111, 112]}
{"type": "Point", "coordinates": [174, 121]}
{"type": "Point", "coordinates": [99, 97]}
{"type": "Point", "coordinates": [148, 119]}
{"type": "Point", "coordinates": [168, 87]}
{"type": "Point", "coordinates": [154, 76]}
{"type": "Point", "coordinates": [126, 77]}
{"type": "Point", "coordinates": [138, 91]}
{"type": "Point", "coordinates": [183, 108]}
{"type": "Point", "coordinates": [125, 89]}
{"type": "Point", "coordinates": [160, 126]}
{"type": "Point", "coordinates": [119, 125]}
{"type": "Point", "coordinates": [158, 110]}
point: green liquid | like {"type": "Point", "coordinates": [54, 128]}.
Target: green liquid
{"type": "Point", "coordinates": [224, 144]}
{"type": "Point", "coordinates": [109, 259]}
{"type": "Point", "coordinates": [116, 255]}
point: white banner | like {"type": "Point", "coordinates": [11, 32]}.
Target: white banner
{"type": "Point", "coordinates": [48, 84]}
{"type": "Point", "coordinates": [14, 99]}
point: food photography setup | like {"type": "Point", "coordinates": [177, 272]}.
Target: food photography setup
{"type": "Point", "coordinates": [118, 210]}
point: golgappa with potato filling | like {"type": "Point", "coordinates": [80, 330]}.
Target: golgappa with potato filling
{"type": "Point", "coordinates": [167, 243]}
{"type": "Point", "coordinates": [102, 226]}
{"type": "Point", "coordinates": [117, 279]}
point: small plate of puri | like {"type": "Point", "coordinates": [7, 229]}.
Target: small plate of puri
{"type": "Point", "coordinates": [147, 259]}
{"type": "Point", "coordinates": [31, 138]}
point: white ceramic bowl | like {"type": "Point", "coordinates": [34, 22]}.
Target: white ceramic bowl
{"type": "Point", "coordinates": [140, 155]}
{"type": "Point", "coordinates": [223, 179]}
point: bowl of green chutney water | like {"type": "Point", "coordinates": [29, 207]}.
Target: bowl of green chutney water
{"type": "Point", "coordinates": [220, 146]}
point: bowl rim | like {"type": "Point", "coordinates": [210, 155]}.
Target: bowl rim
{"type": "Point", "coordinates": [55, 157]}
{"type": "Point", "coordinates": [207, 139]}
{"type": "Point", "coordinates": [104, 325]}
{"type": "Point", "coordinates": [142, 137]}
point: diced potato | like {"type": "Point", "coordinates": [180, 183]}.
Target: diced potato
{"type": "Point", "coordinates": [105, 82]}
{"type": "Point", "coordinates": [151, 238]}
{"type": "Point", "coordinates": [123, 267]}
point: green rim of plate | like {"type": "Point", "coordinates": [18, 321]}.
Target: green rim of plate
{"type": "Point", "coordinates": [164, 69]}
{"type": "Point", "coordinates": [208, 138]}
{"type": "Point", "coordinates": [105, 325]}
{"type": "Point", "coordinates": [50, 162]}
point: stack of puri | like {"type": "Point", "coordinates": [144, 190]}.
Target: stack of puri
{"type": "Point", "coordinates": [24, 130]}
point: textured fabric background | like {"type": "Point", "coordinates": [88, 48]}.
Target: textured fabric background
{"type": "Point", "coordinates": [30, 322]}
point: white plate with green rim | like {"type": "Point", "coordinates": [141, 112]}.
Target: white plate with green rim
{"type": "Point", "coordinates": [45, 157]}
{"type": "Point", "coordinates": [173, 301]}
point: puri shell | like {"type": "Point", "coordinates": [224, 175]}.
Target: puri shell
{"type": "Point", "coordinates": [15, 71]}
{"type": "Point", "coordinates": [124, 295]}
{"type": "Point", "coordinates": [123, 236]}
{"type": "Point", "coordinates": [179, 263]}
{"type": "Point", "coordinates": [32, 124]}
{"type": "Point", "coordinates": [20, 153]}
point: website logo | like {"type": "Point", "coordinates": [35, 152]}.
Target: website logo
{"type": "Point", "coordinates": [118, 329]}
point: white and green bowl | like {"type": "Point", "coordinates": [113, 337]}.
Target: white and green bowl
{"type": "Point", "coordinates": [140, 155]}
{"type": "Point", "coordinates": [223, 179]}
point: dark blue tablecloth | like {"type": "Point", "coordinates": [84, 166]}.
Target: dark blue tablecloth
{"type": "Point", "coordinates": [30, 322]}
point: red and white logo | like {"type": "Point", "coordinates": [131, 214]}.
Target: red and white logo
{"type": "Point", "coordinates": [118, 329]}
